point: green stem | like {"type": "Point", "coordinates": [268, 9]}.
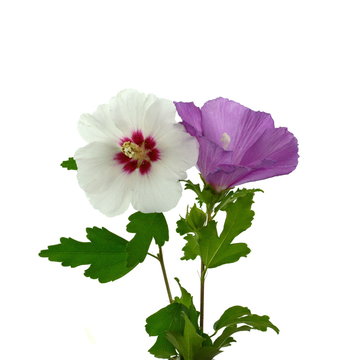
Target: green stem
{"type": "Point", "coordinates": [163, 268]}
{"type": "Point", "coordinates": [154, 256]}
{"type": "Point", "coordinates": [203, 276]}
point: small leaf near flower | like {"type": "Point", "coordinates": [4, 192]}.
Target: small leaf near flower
{"type": "Point", "coordinates": [69, 164]}
{"type": "Point", "coordinates": [190, 225]}
{"type": "Point", "coordinates": [206, 195]}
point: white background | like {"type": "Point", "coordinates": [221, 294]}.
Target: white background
{"type": "Point", "coordinates": [297, 60]}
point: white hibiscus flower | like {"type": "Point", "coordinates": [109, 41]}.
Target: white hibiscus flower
{"type": "Point", "coordinates": [137, 154]}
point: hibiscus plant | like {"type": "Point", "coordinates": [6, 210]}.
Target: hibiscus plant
{"type": "Point", "coordinates": [138, 154]}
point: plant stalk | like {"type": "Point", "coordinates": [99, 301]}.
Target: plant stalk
{"type": "Point", "coordinates": [163, 268]}
{"type": "Point", "coordinates": [203, 276]}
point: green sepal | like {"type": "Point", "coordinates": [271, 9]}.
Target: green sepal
{"type": "Point", "coordinates": [106, 253]}
{"type": "Point", "coordinates": [206, 194]}
{"type": "Point", "coordinates": [69, 164]}
{"type": "Point", "coordinates": [146, 227]}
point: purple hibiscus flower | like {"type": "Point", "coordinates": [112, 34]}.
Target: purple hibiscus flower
{"type": "Point", "coordinates": [237, 144]}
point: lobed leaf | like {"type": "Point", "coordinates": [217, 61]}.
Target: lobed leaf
{"type": "Point", "coordinates": [191, 225]}
{"type": "Point", "coordinates": [239, 315]}
{"type": "Point", "coordinates": [218, 250]}
{"type": "Point", "coordinates": [230, 316]}
{"type": "Point", "coordinates": [146, 227]}
{"type": "Point", "coordinates": [106, 253]}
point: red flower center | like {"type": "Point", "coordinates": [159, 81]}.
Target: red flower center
{"type": "Point", "coordinates": [137, 152]}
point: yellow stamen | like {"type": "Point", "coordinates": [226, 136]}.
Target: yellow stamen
{"type": "Point", "coordinates": [133, 151]}
{"type": "Point", "coordinates": [130, 149]}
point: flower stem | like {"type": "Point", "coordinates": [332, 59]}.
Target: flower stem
{"type": "Point", "coordinates": [203, 276]}
{"type": "Point", "coordinates": [163, 268]}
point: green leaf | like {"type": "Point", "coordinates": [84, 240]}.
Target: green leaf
{"type": "Point", "coordinates": [160, 323]}
{"type": "Point", "coordinates": [186, 299]}
{"type": "Point", "coordinates": [196, 218]}
{"type": "Point", "coordinates": [105, 253]}
{"type": "Point", "coordinates": [207, 353]}
{"type": "Point", "coordinates": [230, 316]}
{"type": "Point", "coordinates": [171, 320]}
{"type": "Point", "coordinates": [239, 315]}
{"type": "Point", "coordinates": [239, 217]}
{"type": "Point", "coordinates": [257, 322]}
{"type": "Point", "coordinates": [215, 250]}
{"type": "Point", "coordinates": [167, 319]}
{"type": "Point", "coordinates": [191, 249]}
{"type": "Point", "coordinates": [218, 250]}
{"type": "Point", "coordinates": [162, 348]}
{"type": "Point", "coordinates": [206, 195]}
{"type": "Point", "coordinates": [69, 164]}
{"type": "Point", "coordinates": [183, 226]}
{"type": "Point", "coordinates": [189, 343]}
{"type": "Point", "coordinates": [146, 227]}
{"type": "Point", "coordinates": [225, 339]}
{"type": "Point", "coordinates": [193, 221]}
{"type": "Point", "coordinates": [231, 196]}
{"type": "Point", "coordinates": [190, 225]}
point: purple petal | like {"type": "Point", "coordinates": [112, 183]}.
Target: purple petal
{"type": "Point", "coordinates": [275, 153]}
{"type": "Point", "coordinates": [275, 145]}
{"type": "Point", "coordinates": [232, 125]}
{"type": "Point", "coordinates": [222, 179]}
{"type": "Point", "coordinates": [211, 157]}
{"type": "Point", "coordinates": [191, 116]}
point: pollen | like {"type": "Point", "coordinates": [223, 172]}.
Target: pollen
{"type": "Point", "coordinates": [137, 152]}
{"type": "Point", "coordinates": [130, 149]}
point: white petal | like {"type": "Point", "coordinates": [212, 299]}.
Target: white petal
{"type": "Point", "coordinates": [114, 200]}
{"type": "Point", "coordinates": [106, 185]}
{"type": "Point", "coordinates": [162, 113]}
{"type": "Point", "coordinates": [156, 192]}
{"type": "Point", "coordinates": [99, 126]}
{"type": "Point", "coordinates": [179, 150]}
{"type": "Point", "coordinates": [128, 109]}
